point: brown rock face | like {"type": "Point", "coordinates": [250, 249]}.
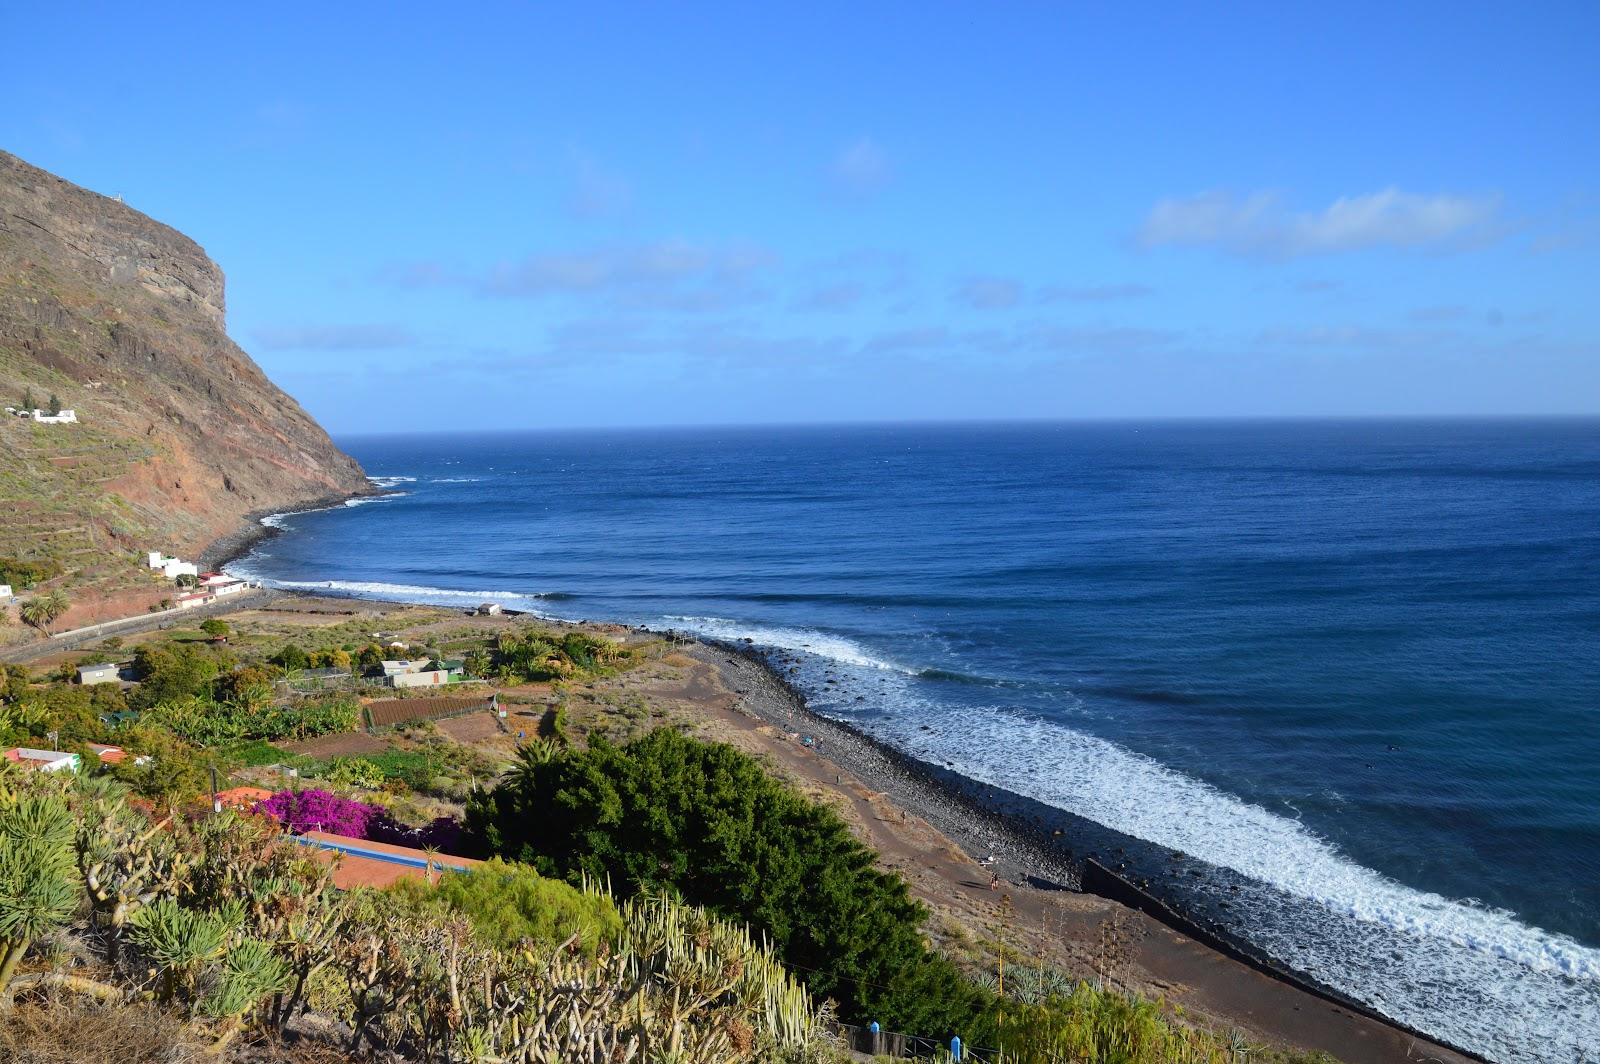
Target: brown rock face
{"type": "Point", "coordinates": [180, 436]}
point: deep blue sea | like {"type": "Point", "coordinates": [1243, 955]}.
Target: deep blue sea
{"type": "Point", "coordinates": [1355, 665]}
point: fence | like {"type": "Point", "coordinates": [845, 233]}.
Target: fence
{"type": "Point", "coordinates": [895, 1044]}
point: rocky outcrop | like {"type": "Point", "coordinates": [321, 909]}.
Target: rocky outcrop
{"type": "Point", "coordinates": [181, 435]}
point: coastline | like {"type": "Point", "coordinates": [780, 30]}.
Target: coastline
{"type": "Point", "coordinates": [254, 529]}
{"type": "Point", "coordinates": [1032, 847]}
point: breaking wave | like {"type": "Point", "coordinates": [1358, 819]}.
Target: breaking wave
{"type": "Point", "coordinates": [800, 640]}
{"type": "Point", "coordinates": [1473, 975]}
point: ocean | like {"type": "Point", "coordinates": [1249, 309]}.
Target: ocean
{"type": "Point", "coordinates": [1353, 667]}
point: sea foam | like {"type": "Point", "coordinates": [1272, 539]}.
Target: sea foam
{"type": "Point", "coordinates": [1469, 974]}
{"type": "Point", "coordinates": [800, 640]}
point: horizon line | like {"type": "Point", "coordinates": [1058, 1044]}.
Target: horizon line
{"type": "Point", "coordinates": [1167, 419]}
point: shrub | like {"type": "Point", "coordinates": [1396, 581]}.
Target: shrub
{"type": "Point", "coordinates": [509, 904]}
{"type": "Point", "coordinates": [291, 658]}
{"type": "Point", "coordinates": [356, 772]}
{"type": "Point", "coordinates": [706, 820]}
{"type": "Point", "coordinates": [318, 810]}
{"type": "Point", "coordinates": [174, 671]}
{"type": "Point", "coordinates": [251, 715]}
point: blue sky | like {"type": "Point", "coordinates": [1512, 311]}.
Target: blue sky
{"type": "Point", "coordinates": [519, 216]}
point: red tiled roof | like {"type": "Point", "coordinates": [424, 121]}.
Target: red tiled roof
{"type": "Point", "coordinates": [243, 797]}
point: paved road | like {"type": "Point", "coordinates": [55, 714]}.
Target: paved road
{"type": "Point", "coordinates": [79, 637]}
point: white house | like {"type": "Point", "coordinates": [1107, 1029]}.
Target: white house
{"type": "Point", "coordinates": [222, 584]}
{"type": "Point", "coordinates": [66, 417]}
{"type": "Point", "coordinates": [171, 568]}
{"type": "Point", "coordinates": [435, 678]}
{"type": "Point", "coordinates": [403, 667]}
{"type": "Point", "coordinates": [5, 592]}
{"type": "Point", "coordinates": [43, 760]}
{"type": "Point", "coordinates": [103, 673]}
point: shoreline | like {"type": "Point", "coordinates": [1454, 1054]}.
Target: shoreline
{"type": "Point", "coordinates": [1038, 853]}
{"type": "Point", "coordinates": [1029, 844]}
{"type": "Point", "coordinates": [1028, 840]}
{"type": "Point", "coordinates": [254, 531]}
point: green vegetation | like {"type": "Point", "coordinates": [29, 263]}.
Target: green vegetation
{"type": "Point", "coordinates": [42, 611]}
{"type": "Point", "coordinates": [512, 905]}
{"type": "Point", "coordinates": [229, 935]}
{"type": "Point", "coordinates": [253, 716]}
{"type": "Point", "coordinates": [25, 574]}
{"type": "Point", "coordinates": [662, 818]}
{"type": "Point", "coordinates": [534, 655]}
{"type": "Point", "coordinates": [669, 812]}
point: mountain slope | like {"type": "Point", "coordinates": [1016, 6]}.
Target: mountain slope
{"type": "Point", "coordinates": [180, 434]}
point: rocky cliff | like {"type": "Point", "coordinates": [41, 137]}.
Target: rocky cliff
{"type": "Point", "coordinates": [180, 434]}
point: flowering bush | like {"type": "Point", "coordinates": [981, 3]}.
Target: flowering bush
{"type": "Point", "coordinates": [317, 810]}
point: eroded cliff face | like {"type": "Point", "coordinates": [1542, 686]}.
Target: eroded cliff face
{"type": "Point", "coordinates": [180, 436]}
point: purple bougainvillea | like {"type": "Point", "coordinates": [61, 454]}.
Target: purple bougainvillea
{"type": "Point", "coordinates": [316, 810]}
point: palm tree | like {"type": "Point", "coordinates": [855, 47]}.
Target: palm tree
{"type": "Point", "coordinates": [41, 611]}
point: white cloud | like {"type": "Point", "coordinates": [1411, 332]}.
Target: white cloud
{"type": "Point", "coordinates": [860, 167]}
{"type": "Point", "coordinates": [1260, 223]}
{"type": "Point", "coordinates": [663, 263]}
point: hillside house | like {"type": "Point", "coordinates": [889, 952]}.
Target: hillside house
{"type": "Point", "coordinates": [402, 667]}
{"type": "Point", "coordinates": [65, 417]}
{"type": "Point", "coordinates": [428, 678]}
{"type": "Point", "coordinates": [43, 760]}
{"type": "Point", "coordinates": [106, 672]}
{"type": "Point", "coordinates": [171, 568]}
{"type": "Point", "coordinates": [221, 584]}
{"type": "Point", "coordinates": [110, 755]}
{"type": "Point", "coordinates": [242, 799]}
{"type": "Point", "coordinates": [434, 674]}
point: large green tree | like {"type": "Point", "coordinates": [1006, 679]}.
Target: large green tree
{"type": "Point", "coordinates": [667, 811]}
